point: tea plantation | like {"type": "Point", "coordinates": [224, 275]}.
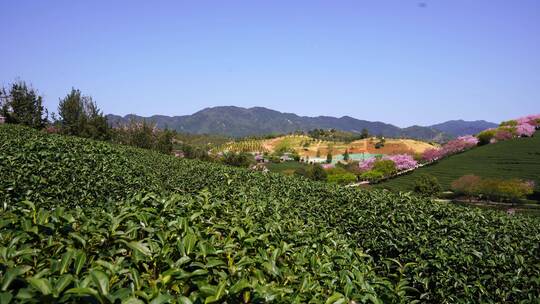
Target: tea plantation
{"type": "Point", "coordinates": [516, 158]}
{"type": "Point", "coordinates": [86, 221]}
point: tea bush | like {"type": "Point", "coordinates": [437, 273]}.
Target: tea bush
{"type": "Point", "coordinates": [79, 223]}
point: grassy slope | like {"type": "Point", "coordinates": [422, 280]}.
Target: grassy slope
{"type": "Point", "coordinates": [286, 167]}
{"type": "Point", "coordinates": [518, 158]}
{"type": "Point", "coordinates": [486, 248]}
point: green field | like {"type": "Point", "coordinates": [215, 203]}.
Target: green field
{"type": "Point", "coordinates": [516, 158]}
{"type": "Point", "coordinates": [87, 221]}
{"type": "Point", "coordinates": [287, 167]}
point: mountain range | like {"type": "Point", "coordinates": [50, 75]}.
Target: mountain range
{"type": "Point", "coordinates": [239, 122]}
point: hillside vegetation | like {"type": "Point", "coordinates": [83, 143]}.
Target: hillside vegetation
{"type": "Point", "coordinates": [240, 122]}
{"type": "Point", "coordinates": [515, 158]}
{"type": "Point", "coordinates": [86, 221]}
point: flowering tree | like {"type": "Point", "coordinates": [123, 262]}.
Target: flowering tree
{"type": "Point", "coordinates": [459, 144]}
{"type": "Point", "coordinates": [525, 130]}
{"type": "Point", "coordinates": [469, 141]}
{"type": "Point", "coordinates": [367, 164]}
{"type": "Point", "coordinates": [431, 155]}
{"type": "Point", "coordinates": [503, 134]}
{"type": "Point", "coordinates": [522, 127]}
{"type": "Point", "coordinates": [402, 161]}
{"type": "Point", "coordinates": [533, 120]}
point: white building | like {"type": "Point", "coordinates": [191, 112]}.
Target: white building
{"type": "Point", "coordinates": [2, 119]}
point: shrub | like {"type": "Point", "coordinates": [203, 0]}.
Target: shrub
{"type": "Point", "coordinates": [301, 172]}
{"type": "Point", "coordinates": [317, 173]}
{"type": "Point", "coordinates": [352, 166]}
{"type": "Point", "coordinates": [509, 123]}
{"type": "Point", "coordinates": [486, 136]}
{"type": "Point", "coordinates": [341, 178]}
{"type": "Point", "coordinates": [467, 184]}
{"type": "Point", "coordinates": [427, 185]}
{"type": "Point", "coordinates": [385, 166]}
{"type": "Point", "coordinates": [274, 159]}
{"type": "Point", "coordinates": [336, 170]}
{"type": "Point", "coordinates": [372, 175]}
{"type": "Point", "coordinates": [512, 190]}
{"type": "Point", "coordinates": [237, 159]}
{"type": "Point", "coordinates": [418, 157]}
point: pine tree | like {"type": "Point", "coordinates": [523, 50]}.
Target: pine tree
{"type": "Point", "coordinates": [71, 113]}
{"type": "Point", "coordinates": [346, 155]}
{"type": "Point", "coordinates": [328, 158]}
{"type": "Point", "coordinates": [24, 106]}
{"type": "Point", "coordinates": [80, 116]}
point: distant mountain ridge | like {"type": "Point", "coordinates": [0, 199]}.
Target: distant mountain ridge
{"type": "Point", "coordinates": [461, 127]}
{"type": "Point", "coordinates": [239, 122]}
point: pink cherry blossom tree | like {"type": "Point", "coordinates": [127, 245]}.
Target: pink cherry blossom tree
{"type": "Point", "coordinates": [431, 155]}
{"type": "Point", "coordinates": [525, 129]}
{"type": "Point", "coordinates": [402, 161]}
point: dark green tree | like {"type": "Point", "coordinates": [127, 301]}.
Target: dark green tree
{"type": "Point", "coordinates": [346, 155]}
{"type": "Point", "coordinates": [365, 133]}
{"type": "Point", "coordinates": [142, 135]}
{"type": "Point", "coordinates": [329, 157]}
{"type": "Point", "coordinates": [71, 113]}
{"type": "Point", "coordinates": [164, 141]}
{"type": "Point", "coordinates": [79, 115]}
{"type": "Point", "coordinates": [95, 123]}
{"type": "Point", "coordinates": [23, 105]}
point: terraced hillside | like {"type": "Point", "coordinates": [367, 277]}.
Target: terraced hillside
{"type": "Point", "coordinates": [516, 158]}
{"type": "Point", "coordinates": [308, 146]}
{"type": "Point", "coordinates": [85, 221]}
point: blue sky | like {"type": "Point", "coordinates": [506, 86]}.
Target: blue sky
{"type": "Point", "coordinates": [403, 62]}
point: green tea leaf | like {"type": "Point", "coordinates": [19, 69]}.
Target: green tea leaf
{"type": "Point", "coordinates": [12, 273]}
{"type": "Point", "coordinates": [42, 285]}
{"type": "Point", "coordinates": [101, 280]}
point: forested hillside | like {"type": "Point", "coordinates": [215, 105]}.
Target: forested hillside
{"type": "Point", "coordinates": [239, 122]}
